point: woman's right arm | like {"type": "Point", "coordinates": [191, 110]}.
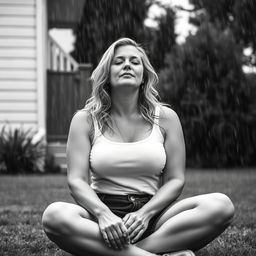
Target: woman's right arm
{"type": "Point", "coordinates": [78, 152]}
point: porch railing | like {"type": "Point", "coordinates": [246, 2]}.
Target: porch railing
{"type": "Point", "coordinates": [58, 59]}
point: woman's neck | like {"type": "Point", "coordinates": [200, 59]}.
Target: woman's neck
{"type": "Point", "coordinates": [124, 103]}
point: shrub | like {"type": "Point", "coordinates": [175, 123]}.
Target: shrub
{"type": "Point", "coordinates": [204, 82]}
{"type": "Point", "coordinates": [18, 152]}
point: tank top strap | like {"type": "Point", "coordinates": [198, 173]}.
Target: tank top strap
{"type": "Point", "coordinates": [157, 113]}
{"type": "Point", "coordinates": [96, 129]}
{"type": "Point", "coordinates": [157, 134]}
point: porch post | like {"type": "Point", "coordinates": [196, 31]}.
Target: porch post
{"type": "Point", "coordinates": [41, 53]}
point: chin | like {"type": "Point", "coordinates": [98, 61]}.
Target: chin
{"type": "Point", "coordinates": [126, 85]}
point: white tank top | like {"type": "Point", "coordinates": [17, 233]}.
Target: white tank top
{"type": "Point", "coordinates": [123, 168]}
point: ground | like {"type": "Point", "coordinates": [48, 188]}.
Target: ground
{"type": "Point", "coordinates": [23, 199]}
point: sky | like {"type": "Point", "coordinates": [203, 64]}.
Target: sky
{"type": "Point", "coordinates": [182, 26]}
{"type": "Point", "coordinates": [66, 38]}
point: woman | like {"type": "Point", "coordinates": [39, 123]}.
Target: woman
{"type": "Point", "coordinates": [130, 142]}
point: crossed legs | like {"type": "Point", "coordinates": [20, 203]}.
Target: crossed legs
{"type": "Point", "coordinates": [75, 231]}
{"type": "Point", "coordinates": [188, 224]}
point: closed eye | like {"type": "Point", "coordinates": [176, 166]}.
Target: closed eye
{"type": "Point", "coordinates": [133, 60]}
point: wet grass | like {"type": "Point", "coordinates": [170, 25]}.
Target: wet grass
{"type": "Point", "coordinates": [23, 199]}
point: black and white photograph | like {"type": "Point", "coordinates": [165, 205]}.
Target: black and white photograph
{"type": "Point", "coordinates": [127, 128]}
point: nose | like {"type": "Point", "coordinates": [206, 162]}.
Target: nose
{"type": "Point", "coordinates": [127, 64]}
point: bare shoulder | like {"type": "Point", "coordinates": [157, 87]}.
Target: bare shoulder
{"type": "Point", "coordinates": [168, 117]}
{"type": "Point", "coordinates": [168, 114]}
{"type": "Point", "coordinates": [81, 122]}
{"type": "Point", "coordinates": [169, 122]}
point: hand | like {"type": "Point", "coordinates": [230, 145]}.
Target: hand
{"type": "Point", "coordinates": [136, 223]}
{"type": "Point", "coordinates": [113, 230]}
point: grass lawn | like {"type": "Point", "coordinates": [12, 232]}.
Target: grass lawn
{"type": "Point", "coordinates": [23, 199]}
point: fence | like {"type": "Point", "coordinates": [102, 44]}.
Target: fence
{"type": "Point", "coordinates": [66, 93]}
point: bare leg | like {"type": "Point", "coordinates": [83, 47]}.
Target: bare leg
{"type": "Point", "coordinates": [74, 230]}
{"type": "Point", "coordinates": [190, 224]}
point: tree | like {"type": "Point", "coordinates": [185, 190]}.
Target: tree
{"type": "Point", "coordinates": [163, 37]}
{"type": "Point", "coordinates": [235, 15]}
{"type": "Point", "coordinates": [103, 22]}
{"type": "Point", "coordinates": [204, 83]}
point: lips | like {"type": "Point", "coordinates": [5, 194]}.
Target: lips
{"type": "Point", "coordinates": [127, 74]}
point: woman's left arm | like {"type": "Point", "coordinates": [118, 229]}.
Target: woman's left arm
{"type": "Point", "coordinates": [173, 176]}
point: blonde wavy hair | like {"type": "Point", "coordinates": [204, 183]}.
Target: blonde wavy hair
{"type": "Point", "coordinates": [98, 106]}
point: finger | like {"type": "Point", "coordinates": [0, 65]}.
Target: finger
{"type": "Point", "coordinates": [136, 230]}
{"type": "Point", "coordinates": [125, 233]}
{"type": "Point", "coordinates": [130, 222]}
{"type": "Point", "coordinates": [119, 236]}
{"type": "Point", "coordinates": [122, 232]}
{"type": "Point", "coordinates": [132, 229]}
{"type": "Point", "coordinates": [105, 238]}
{"type": "Point", "coordinates": [126, 217]}
{"type": "Point", "coordinates": [116, 238]}
{"type": "Point", "coordinates": [111, 239]}
{"type": "Point", "coordinates": [136, 238]}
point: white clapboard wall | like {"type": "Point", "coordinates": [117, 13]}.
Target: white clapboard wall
{"type": "Point", "coordinates": [18, 63]}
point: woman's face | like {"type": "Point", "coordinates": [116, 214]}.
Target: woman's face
{"type": "Point", "coordinates": [126, 67]}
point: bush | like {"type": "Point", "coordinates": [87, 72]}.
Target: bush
{"type": "Point", "coordinates": [204, 83]}
{"type": "Point", "coordinates": [18, 152]}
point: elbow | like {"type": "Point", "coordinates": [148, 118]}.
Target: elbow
{"type": "Point", "coordinates": [75, 179]}
{"type": "Point", "coordinates": [71, 186]}
{"type": "Point", "coordinates": [179, 181]}
{"type": "Point", "coordinates": [176, 184]}
{"type": "Point", "coordinates": [180, 184]}
{"type": "Point", "coordinates": [74, 183]}
{"type": "Point", "coordinates": [71, 182]}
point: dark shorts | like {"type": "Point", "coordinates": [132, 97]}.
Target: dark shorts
{"type": "Point", "coordinates": [123, 204]}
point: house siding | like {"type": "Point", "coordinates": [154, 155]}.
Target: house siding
{"type": "Point", "coordinates": [18, 63]}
